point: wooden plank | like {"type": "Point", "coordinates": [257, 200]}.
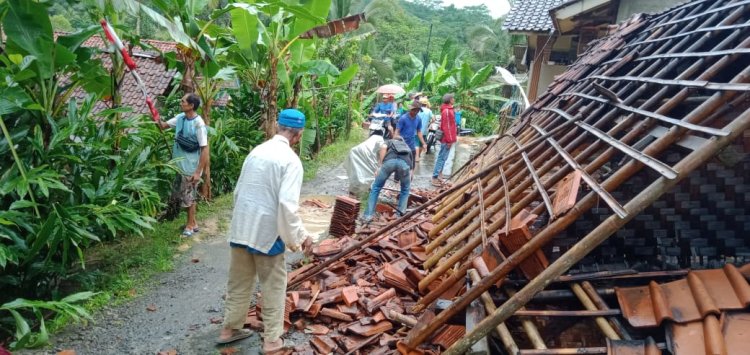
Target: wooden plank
{"type": "Point", "coordinates": [474, 315]}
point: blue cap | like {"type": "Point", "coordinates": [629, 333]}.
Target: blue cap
{"type": "Point", "coordinates": [292, 118]}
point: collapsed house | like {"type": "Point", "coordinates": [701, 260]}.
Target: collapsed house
{"type": "Point", "coordinates": [627, 170]}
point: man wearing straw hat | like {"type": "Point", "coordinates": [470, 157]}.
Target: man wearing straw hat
{"type": "Point", "coordinates": [265, 223]}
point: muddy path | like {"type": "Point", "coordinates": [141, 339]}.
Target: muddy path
{"type": "Point", "coordinates": [182, 309]}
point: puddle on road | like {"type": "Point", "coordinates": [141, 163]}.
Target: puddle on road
{"type": "Point", "coordinates": [316, 219]}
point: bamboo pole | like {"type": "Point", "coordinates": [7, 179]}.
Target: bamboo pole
{"type": "Point", "coordinates": [461, 212]}
{"type": "Point", "coordinates": [610, 225]}
{"type": "Point", "coordinates": [502, 330]}
{"type": "Point", "coordinates": [461, 226]}
{"type": "Point", "coordinates": [600, 304]}
{"type": "Point", "coordinates": [532, 332]}
{"type": "Point", "coordinates": [602, 323]}
{"type": "Point", "coordinates": [457, 276]}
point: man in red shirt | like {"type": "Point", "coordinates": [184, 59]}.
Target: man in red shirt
{"type": "Point", "coordinates": [448, 126]}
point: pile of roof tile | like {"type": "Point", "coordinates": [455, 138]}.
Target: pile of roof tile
{"type": "Point", "coordinates": [345, 212]}
{"type": "Point", "coordinates": [363, 302]}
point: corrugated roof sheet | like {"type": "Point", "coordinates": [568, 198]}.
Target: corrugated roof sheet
{"type": "Point", "coordinates": [701, 293]}
{"type": "Point", "coordinates": [530, 16]}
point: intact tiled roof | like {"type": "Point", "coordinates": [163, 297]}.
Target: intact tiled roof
{"type": "Point", "coordinates": [163, 46]}
{"type": "Point", "coordinates": [155, 75]}
{"type": "Point", "coordinates": [530, 15]}
{"type": "Point", "coordinates": [151, 68]}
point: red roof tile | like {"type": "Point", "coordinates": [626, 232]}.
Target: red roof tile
{"type": "Point", "coordinates": [701, 293]}
{"type": "Point", "coordinates": [448, 335]}
{"type": "Point", "coordinates": [727, 334]}
{"type": "Point", "coordinates": [632, 347]}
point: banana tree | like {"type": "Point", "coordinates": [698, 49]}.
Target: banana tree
{"type": "Point", "coordinates": [180, 19]}
{"type": "Point", "coordinates": [468, 85]}
{"type": "Point", "coordinates": [267, 34]}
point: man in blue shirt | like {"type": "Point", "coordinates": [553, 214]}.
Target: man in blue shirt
{"type": "Point", "coordinates": [387, 107]}
{"type": "Point", "coordinates": [410, 127]}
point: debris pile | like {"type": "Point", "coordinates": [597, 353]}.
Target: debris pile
{"type": "Point", "coordinates": [364, 301]}
{"type": "Point", "coordinates": [345, 212]}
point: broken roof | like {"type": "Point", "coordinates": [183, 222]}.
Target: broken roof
{"type": "Point", "coordinates": [530, 16]}
{"type": "Point", "coordinates": [632, 99]}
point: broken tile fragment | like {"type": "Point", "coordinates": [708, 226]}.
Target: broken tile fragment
{"type": "Point", "coordinates": [350, 295]}
{"type": "Point", "coordinates": [324, 344]}
{"type": "Point", "coordinates": [370, 330]}
{"type": "Point", "coordinates": [317, 329]}
{"type": "Point", "coordinates": [380, 300]}
{"type": "Point", "coordinates": [335, 314]}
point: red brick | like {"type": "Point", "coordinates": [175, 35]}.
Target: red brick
{"type": "Point", "coordinates": [314, 310]}
{"type": "Point", "coordinates": [407, 239]}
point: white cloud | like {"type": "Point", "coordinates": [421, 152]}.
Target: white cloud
{"type": "Point", "coordinates": [497, 7]}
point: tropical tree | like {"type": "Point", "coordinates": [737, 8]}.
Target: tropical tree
{"type": "Point", "coordinates": [68, 184]}
{"type": "Point", "coordinates": [490, 43]}
{"type": "Point", "coordinates": [267, 35]}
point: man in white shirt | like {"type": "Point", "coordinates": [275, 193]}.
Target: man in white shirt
{"type": "Point", "coordinates": [264, 223]}
{"type": "Point", "coordinates": [191, 152]}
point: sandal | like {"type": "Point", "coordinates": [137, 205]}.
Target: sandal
{"type": "Point", "coordinates": [237, 334]}
{"type": "Point", "coordinates": [187, 233]}
{"type": "Point", "coordinates": [195, 230]}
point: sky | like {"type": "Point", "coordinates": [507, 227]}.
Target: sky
{"type": "Point", "coordinates": [497, 7]}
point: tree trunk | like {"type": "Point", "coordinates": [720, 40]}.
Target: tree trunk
{"type": "Point", "coordinates": [348, 128]}
{"type": "Point", "coordinates": [185, 55]}
{"type": "Point", "coordinates": [206, 187]}
{"type": "Point", "coordinates": [295, 96]}
{"type": "Point", "coordinates": [271, 105]}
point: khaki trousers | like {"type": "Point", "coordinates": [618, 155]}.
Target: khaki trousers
{"type": "Point", "coordinates": [243, 269]}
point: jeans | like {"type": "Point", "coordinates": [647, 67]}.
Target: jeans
{"type": "Point", "coordinates": [402, 170]}
{"type": "Point", "coordinates": [441, 158]}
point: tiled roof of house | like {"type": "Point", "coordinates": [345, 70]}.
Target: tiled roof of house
{"type": "Point", "coordinates": [163, 46]}
{"type": "Point", "coordinates": [156, 77]}
{"type": "Point", "coordinates": [150, 66]}
{"type": "Point", "coordinates": [530, 16]}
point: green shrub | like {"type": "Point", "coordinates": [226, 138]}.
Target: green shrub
{"type": "Point", "coordinates": [483, 125]}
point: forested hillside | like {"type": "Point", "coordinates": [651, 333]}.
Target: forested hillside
{"type": "Point", "coordinates": [402, 27]}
